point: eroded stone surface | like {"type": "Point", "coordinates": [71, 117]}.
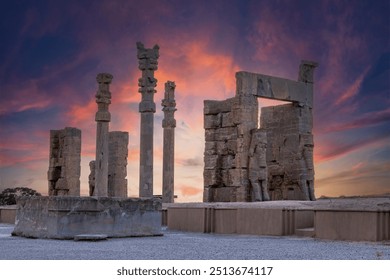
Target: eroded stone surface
{"type": "Point", "coordinates": [91, 177]}
{"type": "Point", "coordinates": [64, 164]}
{"type": "Point", "coordinates": [148, 61]}
{"type": "Point", "coordinates": [117, 163]}
{"type": "Point", "coordinates": [103, 117]}
{"type": "Point", "coordinates": [67, 217]}
{"type": "Point", "coordinates": [289, 151]}
{"type": "Point", "coordinates": [168, 124]}
{"type": "Point", "coordinates": [243, 162]}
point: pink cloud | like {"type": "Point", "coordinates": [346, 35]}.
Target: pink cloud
{"type": "Point", "coordinates": [334, 149]}
{"type": "Point", "coordinates": [352, 90]}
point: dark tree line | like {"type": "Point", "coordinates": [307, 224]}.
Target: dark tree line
{"type": "Point", "coordinates": [8, 196]}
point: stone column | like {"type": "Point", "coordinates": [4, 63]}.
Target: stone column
{"type": "Point", "coordinates": [169, 124]}
{"type": "Point", "coordinates": [147, 59]}
{"type": "Point", "coordinates": [103, 117]}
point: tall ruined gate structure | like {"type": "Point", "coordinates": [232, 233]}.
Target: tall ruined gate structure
{"type": "Point", "coordinates": [245, 161]}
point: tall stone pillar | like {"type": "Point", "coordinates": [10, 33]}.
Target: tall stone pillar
{"type": "Point", "coordinates": [147, 59]}
{"type": "Point", "coordinates": [169, 124]}
{"type": "Point", "coordinates": [103, 117]}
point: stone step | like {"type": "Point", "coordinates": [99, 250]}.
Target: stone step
{"type": "Point", "coordinates": [305, 232]}
{"type": "Point", "coordinates": [90, 237]}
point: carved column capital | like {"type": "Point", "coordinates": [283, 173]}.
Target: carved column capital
{"type": "Point", "coordinates": [103, 97]}
{"type": "Point", "coordinates": [169, 105]}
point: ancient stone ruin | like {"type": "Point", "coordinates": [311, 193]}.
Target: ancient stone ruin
{"type": "Point", "coordinates": [169, 124]}
{"type": "Point", "coordinates": [64, 163]}
{"type": "Point", "coordinates": [245, 161]}
{"type": "Point", "coordinates": [147, 59]}
{"type": "Point", "coordinates": [102, 118]}
{"type": "Point", "coordinates": [107, 212]}
{"type": "Point", "coordinates": [117, 163]}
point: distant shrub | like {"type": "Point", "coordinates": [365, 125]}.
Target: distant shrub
{"type": "Point", "coordinates": [8, 196]}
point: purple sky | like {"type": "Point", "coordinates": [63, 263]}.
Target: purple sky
{"type": "Point", "coordinates": [51, 51]}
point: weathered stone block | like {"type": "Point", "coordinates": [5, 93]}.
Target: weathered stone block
{"type": "Point", "coordinates": [228, 162]}
{"type": "Point", "coordinates": [223, 194]}
{"type": "Point", "coordinates": [210, 148]}
{"type": "Point", "coordinates": [274, 88]}
{"type": "Point", "coordinates": [210, 135]}
{"type": "Point", "coordinates": [226, 147]}
{"type": "Point", "coordinates": [211, 177]}
{"type": "Point", "coordinates": [212, 107]}
{"type": "Point", "coordinates": [67, 217]}
{"type": "Point", "coordinates": [225, 134]}
{"type": "Point", "coordinates": [227, 119]}
{"type": "Point", "coordinates": [64, 162]}
{"type": "Point", "coordinates": [212, 121]}
{"type": "Point", "coordinates": [238, 177]}
{"type": "Point", "coordinates": [211, 162]}
{"type": "Point", "coordinates": [117, 163]}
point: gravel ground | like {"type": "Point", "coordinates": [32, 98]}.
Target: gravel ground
{"type": "Point", "coordinates": [194, 246]}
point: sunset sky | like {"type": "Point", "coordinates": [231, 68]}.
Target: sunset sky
{"type": "Point", "coordinates": [51, 52]}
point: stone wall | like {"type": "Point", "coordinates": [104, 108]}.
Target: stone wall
{"type": "Point", "coordinates": [289, 151]}
{"type": "Point", "coordinates": [227, 133]}
{"type": "Point", "coordinates": [64, 163]}
{"type": "Point", "coordinates": [234, 140]}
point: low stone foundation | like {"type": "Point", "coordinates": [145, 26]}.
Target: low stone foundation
{"type": "Point", "coordinates": [67, 217]}
{"type": "Point", "coordinates": [353, 219]}
{"type": "Point", "coordinates": [7, 214]}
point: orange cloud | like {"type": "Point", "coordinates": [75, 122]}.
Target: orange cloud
{"type": "Point", "coordinates": [187, 190]}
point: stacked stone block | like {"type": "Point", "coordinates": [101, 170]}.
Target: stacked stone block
{"type": "Point", "coordinates": [102, 118]}
{"type": "Point", "coordinates": [289, 153]}
{"type": "Point", "coordinates": [169, 124]}
{"type": "Point", "coordinates": [64, 164]}
{"type": "Point", "coordinates": [241, 161]}
{"type": "Point", "coordinates": [147, 63]}
{"type": "Point", "coordinates": [227, 146]}
{"type": "Point", "coordinates": [117, 163]}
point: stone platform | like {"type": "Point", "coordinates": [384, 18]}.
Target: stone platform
{"type": "Point", "coordinates": [355, 219]}
{"type": "Point", "coordinates": [66, 217]}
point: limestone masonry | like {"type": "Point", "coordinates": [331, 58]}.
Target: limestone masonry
{"type": "Point", "coordinates": [169, 124]}
{"type": "Point", "coordinates": [117, 163]}
{"type": "Point", "coordinates": [103, 117]}
{"type": "Point", "coordinates": [248, 162]}
{"type": "Point", "coordinates": [64, 162]}
{"type": "Point", "coordinates": [147, 59]}
{"type": "Point", "coordinates": [69, 217]}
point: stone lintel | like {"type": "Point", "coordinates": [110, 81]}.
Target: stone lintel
{"type": "Point", "coordinates": [274, 88]}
